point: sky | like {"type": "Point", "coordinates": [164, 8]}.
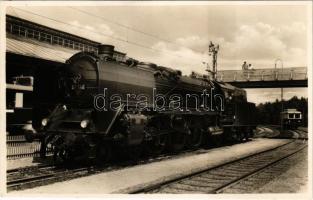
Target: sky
{"type": "Point", "coordinates": [178, 36]}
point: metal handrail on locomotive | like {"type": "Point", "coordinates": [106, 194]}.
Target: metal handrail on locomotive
{"type": "Point", "coordinates": [67, 99]}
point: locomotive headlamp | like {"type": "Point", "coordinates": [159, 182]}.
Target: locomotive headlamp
{"type": "Point", "coordinates": [44, 122]}
{"type": "Point", "coordinates": [84, 123]}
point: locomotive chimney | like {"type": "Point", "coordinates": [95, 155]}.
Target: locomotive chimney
{"type": "Point", "coordinates": [105, 50]}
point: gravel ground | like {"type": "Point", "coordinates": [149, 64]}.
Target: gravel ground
{"type": "Point", "coordinates": [266, 132]}
{"type": "Point", "coordinates": [263, 131]}
{"type": "Point", "coordinates": [132, 178]}
{"type": "Point", "coordinates": [294, 180]}
{"type": "Point", "coordinates": [20, 162]}
{"type": "Point", "coordinates": [287, 176]}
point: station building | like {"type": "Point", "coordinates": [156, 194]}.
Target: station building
{"type": "Point", "coordinates": [30, 46]}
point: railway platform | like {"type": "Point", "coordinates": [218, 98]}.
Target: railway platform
{"type": "Point", "coordinates": [126, 180]}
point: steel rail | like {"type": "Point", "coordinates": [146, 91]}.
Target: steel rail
{"type": "Point", "coordinates": [256, 171]}
{"type": "Point", "coordinates": [175, 180]}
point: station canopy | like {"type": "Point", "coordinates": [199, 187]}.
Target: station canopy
{"type": "Point", "coordinates": [36, 49]}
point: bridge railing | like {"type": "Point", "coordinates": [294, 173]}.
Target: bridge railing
{"type": "Point", "coordinates": [263, 75]}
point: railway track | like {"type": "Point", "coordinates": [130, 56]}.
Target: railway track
{"type": "Point", "coordinates": [255, 182]}
{"type": "Point", "coordinates": [30, 177]}
{"type": "Point", "coordinates": [41, 175]}
{"type": "Point", "coordinates": [220, 178]}
{"type": "Point", "coordinates": [34, 176]}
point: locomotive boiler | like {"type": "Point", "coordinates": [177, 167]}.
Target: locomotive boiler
{"type": "Point", "coordinates": [94, 105]}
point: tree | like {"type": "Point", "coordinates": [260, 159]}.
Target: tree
{"type": "Point", "coordinates": [269, 112]}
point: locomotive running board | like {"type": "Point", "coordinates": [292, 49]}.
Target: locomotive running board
{"type": "Point", "coordinates": [116, 114]}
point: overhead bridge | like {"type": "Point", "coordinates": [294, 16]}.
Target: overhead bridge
{"type": "Point", "coordinates": [266, 78]}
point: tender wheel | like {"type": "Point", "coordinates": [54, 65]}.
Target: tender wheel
{"type": "Point", "coordinates": [195, 139]}
{"type": "Point", "coordinates": [217, 140]}
{"type": "Point", "coordinates": [248, 134]}
{"type": "Point", "coordinates": [241, 137]}
{"type": "Point", "coordinates": [238, 136]}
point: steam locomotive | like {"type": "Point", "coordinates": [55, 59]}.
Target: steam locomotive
{"type": "Point", "coordinates": [94, 104]}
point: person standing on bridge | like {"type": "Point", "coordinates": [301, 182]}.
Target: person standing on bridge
{"type": "Point", "coordinates": [250, 67]}
{"type": "Point", "coordinates": [244, 66]}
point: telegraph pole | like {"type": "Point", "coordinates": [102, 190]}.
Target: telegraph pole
{"type": "Point", "coordinates": [213, 50]}
{"type": "Point", "coordinates": [281, 92]}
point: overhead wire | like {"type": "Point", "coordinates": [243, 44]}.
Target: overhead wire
{"type": "Point", "coordinates": [103, 34]}
{"type": "Point", "coordinates": [131, 28]}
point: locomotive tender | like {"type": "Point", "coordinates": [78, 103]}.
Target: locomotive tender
{"type": "Point", "coordinates": [95, 104]}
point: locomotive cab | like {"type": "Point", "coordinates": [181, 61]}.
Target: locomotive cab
{"type": "Point", "coordinates": [238, 119]}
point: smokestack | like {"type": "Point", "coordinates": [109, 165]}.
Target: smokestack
{"type": "Point", "coordinates": [105, 50]}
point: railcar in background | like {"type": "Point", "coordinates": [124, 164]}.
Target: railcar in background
{"type": "Point", "coordinates": [291, 118]}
